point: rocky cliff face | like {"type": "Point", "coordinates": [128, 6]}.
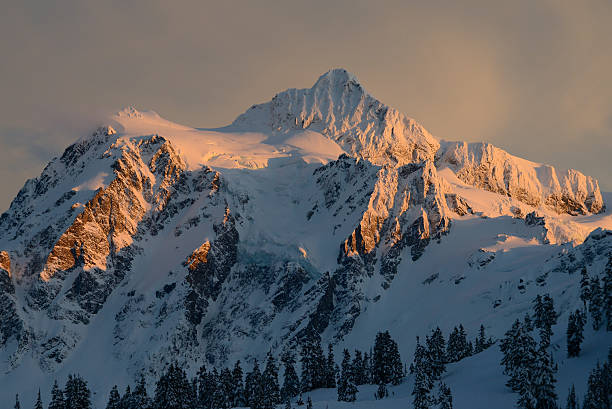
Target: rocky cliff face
{"type": "Point", "coordinates": [129, 245]}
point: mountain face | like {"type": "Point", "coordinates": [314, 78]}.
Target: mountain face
{"type": "Point", "coordinates": [320, 211]}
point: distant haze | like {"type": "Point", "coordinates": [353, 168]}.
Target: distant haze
{"type": "Point", "coordinates": [533, 77]}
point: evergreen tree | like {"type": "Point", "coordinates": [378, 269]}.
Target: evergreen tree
{"type": "Point", "coordinates": [571, 399]}
{"type": "Point", "coordinates": [227, 388]}
{"type": "Point", "coordinates": [545, 317]}
{"type": "Point", "coordinates": [313, 363]}
{"type": "Point", "coordinates": [38, 404]}
{"type": "Point", "coordinates": [309, 403]}
{"type": "Point", "coordinates": [330, 368]}
{"type": "Point", "coordinates": [173, 390]}
{"type": "Point", "coordinates": [423, 378]}
{"type": "Point", "coordinates": [436, 351]}
{"type": "Point", "coordinates": [482, 342]}
{"type": "Point", "coordinates": [57, 398]}
{"type": "Point", "coordinates": [347, 391]}
{"type": "Point", "coordinates": [575, 327]}
{"type": "Point", "coordinates": [126, 399]}
{"type": "Point", "coordinates": [445, 400]}
{"type": "Point", "coordinates": [598, 393]}
{"type": "Point", "coordinates": [219, 398]}
{"type": "Point", "coordinates": [238, 384]}
{"type": "Point", "coordinates": [585, 289]}
{"type": "Point", "coordinates": [519, 357]}
{"type": "Point", "coordinates": [140, 399]}
{"type": "Point", "coordinates": [113, 399]}
{"type": "Point", "coordinates": [607, 294]}
{"type": "Point", "coordinates": [387, 364]}
{"type": "Point", "coordinates": [253, 390]}
{"type": "Point", "coordinates": [544, 381]}
{"type": "Point", "coordinates": [17, 404]}
{"type": "Point", "coordinates": [367, 368]}
{"type": "Point", "coordinates": [206, 388]}
{"type": "Point", "coordinates": [596, 304]}
{"type": "Point", "coordinates": [458, 346]}
{"type": "Point", "coordinates": [271, 390]}
{"type": "Point", "coordinates": [76, 393]}
{"type": "Point", "coordinates": [288, 404]}
{"type": "Point", "coordinates": [358, 368]}
{"type": "Point", "coordinates": [291, 382]}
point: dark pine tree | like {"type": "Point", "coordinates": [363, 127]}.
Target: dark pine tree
{"type": "Point", "coordinates": [544, 381]}
{"type": "Point", "coordinates": [607, 294]}
{"type": "Point", "coordinates": [423, 378]}
{"type": "Point", "coordinates": [381, 391]}
{"type": "Point", "coordinates": [386, 362]}
{"type": "Point", "coordinates": [253, 390]}
{"type": "Point", "coordinates": [126, 399]}
{"type": "Point", "coordinates": [173, 390]}
{"type": "Point", "coordinates": [598, 393]}
{"type": "Point", "coordinates": [358, 368]}
{"type": "Point", "coordinates": [309, 403]}
{"type": "Point", "coordinates": [17, 404]}
{"type": "Point", "coordinates": [206, 388]}
{"type": "Point", "coordinates": [445, 399]}
{"type": "Point", "coordinates": [226, 385]}
{"type": "Point", "coordinates": [291, 382]}
{"type": "Point", "coordinates": [596, 303]}
{"type": "Point", "coordinates": [141, 400]}
{"type": "Point", "coordinates": [575, 328]}
{"type": "Point", "coordinates": [585, 287]}
{"type": "Point", "coordinates": [219, 399]}
{"type": "Point", "coordinates": [572, 403]}
{"type": "Point", "coordinates": [436, 351]}
{"type": "Point", "coordinates": [238, 384]}
{"type": "Point", "coordinates": [482, 342]}
{"type": "Point", "coordinates": [38, 404]}
{"type": "Point", "coordinates": [57, 398]}
{"type": "Point", "coordinates": [271, 390]}
{"type": "Point", "coordinates": [313, 363]}
{"type": "Point", "coordinates": [76, 393]}
{"type": "Point", "coordinates": [114, 399]}
{"type": "Point", "coordinates": [519, 357]}
{"type": "Point", "coordinates": [367, 368]}
{"type": "Point", "coordinates": [544, 317]}
{"type": "Point", "coordinates": [347, 391]}
{"type": "Point", "coordinates": [330, 368]}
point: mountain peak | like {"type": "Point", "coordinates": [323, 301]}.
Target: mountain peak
{"type": "Point", "coordinates": [336, 78]}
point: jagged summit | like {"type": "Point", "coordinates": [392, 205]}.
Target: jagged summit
{"type": "Point", "coordinates": [338, 107]}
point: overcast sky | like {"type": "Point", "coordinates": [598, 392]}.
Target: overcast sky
{"type": "Point", "coordinates": [533, 77]}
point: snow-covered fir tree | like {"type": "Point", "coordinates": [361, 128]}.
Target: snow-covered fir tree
{"type": "Point", "coordinates": [596, 303]}
{"type": "Point", "coordinates": [114, 399]}
{"type": "Point", "coordinates": [436, 351]}
{"type": "Point", "coordinates": [544, 317]}
{"type": "Point", "coordinates": [76, 393]}
{"type": "Point", "coordinates": [38, 404]}
{"type": "Point", "coordinates": [458, 346]}
{"type": "Point", "coordinates": [445, 397]}
{"type": "Point", "coordinates": [253, 391]}
{"type": "Point", "coordinates": [571, 403]}
{"type": "Point", "coordinates": [607, 294]}
{"type": "Point", "coordinates": [482, 342]}
{"type": "Point", "coordinates": [57, 397]}
{"type": "Point", "coordinates": [519, 356]}
{"type": "Point", "coordinates": [575, 328]}
{"type": "Point", "coordinates": [238, 385]}
{"type": "Point", "coordinates": [173, 390]}
{"type": "Point", "coordinates": [423, 378]}
{"type": "Point", "coordinates": [330, 368]}
{"type": "Point", "coordinates": [269, 380]}
{"type": "Point", "coordinates": [347, 390]}
{"type": "Point", "coordinates": [291, 382]}
{"type": "Point", "coordinates": [585, 287]}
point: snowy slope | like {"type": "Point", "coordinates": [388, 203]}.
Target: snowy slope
{"type": "Point", "coordinates": [322, 210]}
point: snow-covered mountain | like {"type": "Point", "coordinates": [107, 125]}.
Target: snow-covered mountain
{"type": "Point", "coordinates": [323, 210]}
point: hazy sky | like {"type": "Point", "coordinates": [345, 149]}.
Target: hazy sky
{"type": "Point", "coordinates": [533, 77]}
